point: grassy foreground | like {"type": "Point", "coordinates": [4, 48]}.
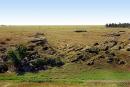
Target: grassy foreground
{"type": "Point", "coordinates": [65, 75]}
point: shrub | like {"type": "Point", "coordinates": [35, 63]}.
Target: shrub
{"type": "Point", "coordinates": [21, 50]}
{"type": "Point", "coordinates": [3, 68]}
{"type": "Point", "coordinates": [78, 31]}
{"type": "Point", "coordinates": [17, 55]}
{"type": "Point", "coordinates": [54, 62]}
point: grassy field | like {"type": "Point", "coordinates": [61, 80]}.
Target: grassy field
{"type": "Point", "coordinates": [71, 74]}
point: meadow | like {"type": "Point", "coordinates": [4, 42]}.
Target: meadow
{"type": "Point", "coordinates": [63, 38]}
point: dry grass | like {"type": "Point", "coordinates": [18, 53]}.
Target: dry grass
{"type": "Point", "coordinates": [61, 37]}
{"type": "Point", "coordinates": [87, 84]}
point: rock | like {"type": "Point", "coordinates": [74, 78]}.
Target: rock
{"type": "Point", "coordinates": [31, 47]}
{"type": "Point", "coordinates": [32, 55]}
{"type": "Point", "coordinates": [128, 49]}
{"type": "Point", "coordinates": [95, 44]}
{"type": "Point", "coordinates": [8, 39]}
{"type": "Point", "coordinates": [91, 62]}
{"type": "Point", "coordinates": [113, 43]}
{"type": "Point", "coordinates": [122, 31]}
{"type": "Point", "coordinates": [3, 43]}
{"type": "Point", "coordinates": [116, 48]}
{"type": "Point", "coordinates": [121, 62]}
{"type": "Point", "coordinates": [102, 56]}
{"type": "Point", "coordinates": [111, 57]}
{"type": "Point", "coordinates": [86, 48]}
{"type": "Point", "coordinates": [104, 47]}
{"type": "Point", "coordinates": [82, 56]}
{"type": "Point", "coordinates": [115, 34]}
{"type": "Point", "coordinates": [39, 41]}
{"type": "Point", "coordinates": [45, 48]}
{"type": "Point", "coordinates": [110, 60]}
{"type": "Point", "coordinates": [2, 49]}
{"type": "Point", "coordinates": [94, 50]}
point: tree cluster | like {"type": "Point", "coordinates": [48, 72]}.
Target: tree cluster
{"type": "Point", "coordinates": [118, 25]}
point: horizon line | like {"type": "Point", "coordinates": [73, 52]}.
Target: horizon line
{"type": "Point", "coordinates": [52, 25]}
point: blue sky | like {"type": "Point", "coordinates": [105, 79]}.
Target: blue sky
{"type": "Point", "coordinates": [63, 12]}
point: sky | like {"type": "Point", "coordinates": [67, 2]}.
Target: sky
{"type": "Point", "coordinates": [63, 12]}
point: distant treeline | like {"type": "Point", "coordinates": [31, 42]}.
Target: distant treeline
{"type": "Point", "coordinates": [119, 25]}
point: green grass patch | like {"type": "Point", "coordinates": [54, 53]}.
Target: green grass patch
{"type": "Point", "coordinates": [68, 75]}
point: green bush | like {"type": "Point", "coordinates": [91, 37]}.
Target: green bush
{"type": "Point", "coordinates": [16, 55]}
{"type": "Point", "coordinates": [54, 62]}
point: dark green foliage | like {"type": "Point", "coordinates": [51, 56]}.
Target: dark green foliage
{"type": "Point", "coordinates": [21, 50]}
{"type": "Point", "coordinates": [38, 62]}
{"type": "Point", "coordinates": [17, 55]}
{"type": "Point", "coordinates": [30, 61]}
{"type": "Point", "coordinates": [13, 55]}
{"type": "Point", "coordinates": [3, 68]}
{"type": "Point", "coordinates": [54, 62]}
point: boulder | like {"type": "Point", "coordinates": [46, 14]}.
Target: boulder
{"type": "Point", "coordinates": [3, 49]}
{"type": "Point", "coordinates": [128, 49]}
{"type": "Point", "coordinates": [39, 41]}
{"type": "Point", "coordinates": [31, 47]}
{"type": "Point", "coordinates": [95, 50]}
{"type": "Point", "coordinates": [115, 34]}
{"type": "Point", "coordinates": [86, 48]}
{"type": "Point", "coordinates": [95, 44]}
{"type": "Point", "coordinates": [121, 62]}
{"type": "Point", "coordinates": [3, 43]}
{"type": "Point", "coordinates": [91, 62]}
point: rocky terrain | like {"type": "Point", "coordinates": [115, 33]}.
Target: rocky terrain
{"type": "Point", "coordinates": [37, 53]}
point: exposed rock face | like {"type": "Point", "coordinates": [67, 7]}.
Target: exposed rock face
{"type": "Point", "coordinates": [40, 44]}
{"type": "Point", "coordinates": [41, 55]}
{"type": "Point", "coordinates": [107, 51]}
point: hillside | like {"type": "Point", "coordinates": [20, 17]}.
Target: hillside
{"type": "Point", "coordinates": [68, 53]}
